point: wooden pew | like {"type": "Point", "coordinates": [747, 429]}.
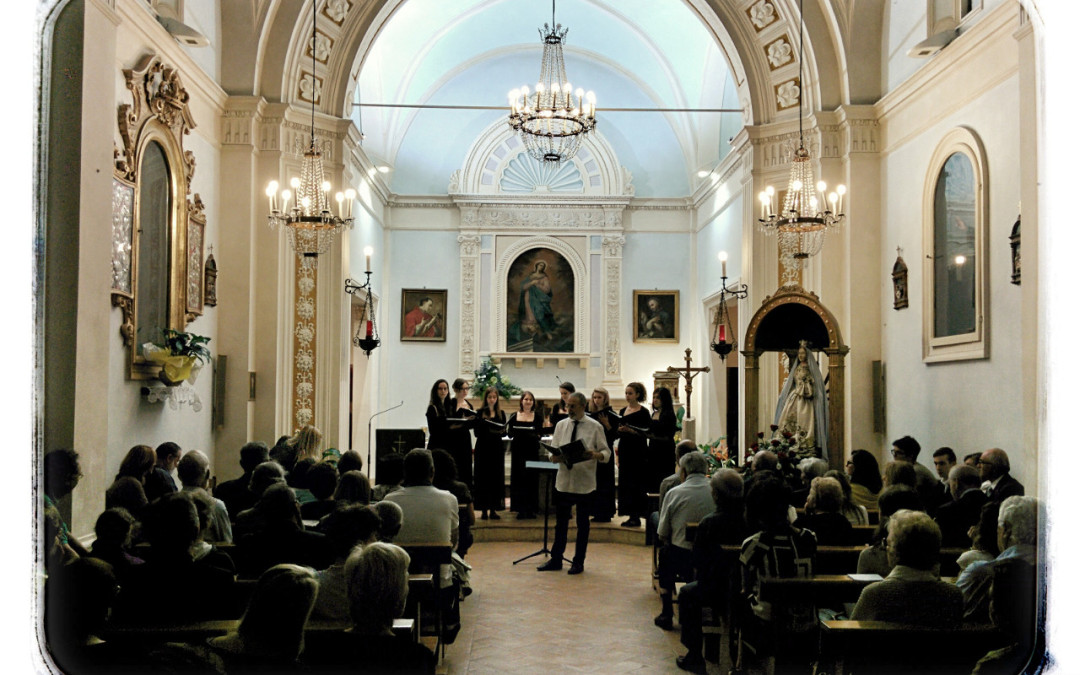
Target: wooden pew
{"type": "Point", "coordinates": [845, 559]}
{"type": "Point", "coordinates": [200, 631]}
{"type": "Point", "coordinates": [881, 647]}
{"type": "Point", "coordinates": [429, 558]}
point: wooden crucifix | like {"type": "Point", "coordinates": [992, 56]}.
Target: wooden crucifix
{"type": "Point", "coordinates": [689, 373]}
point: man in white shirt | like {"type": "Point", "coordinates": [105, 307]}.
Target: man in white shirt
{"type": "Point", "coordinates": [575, 485]}
{"type": "Point", "coordinates": [429, 515]}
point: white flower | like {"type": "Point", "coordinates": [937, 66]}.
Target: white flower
{"type": "Point", "coordinates": [304, 389]}
{"type": "Point", "coordinates": [306, 284]}
{"type": "Point", "coordinates": [303, 416]}
{"type": "Point", "coordinates": [305, 361]}
{"type": "Point", "coordinates": [305, 308]}
{"type": "Point", "coordinates": [304, 332]}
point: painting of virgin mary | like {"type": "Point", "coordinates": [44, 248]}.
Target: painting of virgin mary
{"type": "Point", "coordinates": [540, 303]}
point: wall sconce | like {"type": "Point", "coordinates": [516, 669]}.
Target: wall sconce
{"type": "Point", "coordinates": [1014, 243]}
{"type": "Point", "coordinates": [723, 335]}
{"type": "Point", "coordinates": [367, 333]}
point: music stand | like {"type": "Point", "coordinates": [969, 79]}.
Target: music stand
{"type": "Point", "coordinates": [550, 469]}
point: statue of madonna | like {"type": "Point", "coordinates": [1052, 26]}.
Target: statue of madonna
{"type": "Point", "coordinates": [801, 408]}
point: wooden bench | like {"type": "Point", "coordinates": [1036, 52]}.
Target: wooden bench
{"type": "Point", "coordinates": [200, 631]}
{"type": "Point", "coordinates": [845, 559]}
{"type": "Point", "coordinates": [429, 558]}
{"type": "Point", "coordinates": [881, 647]}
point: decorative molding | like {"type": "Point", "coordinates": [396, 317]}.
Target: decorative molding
{"type": "Point", "coordinates": [787, 93]}
{"type": "Point", "coordinates": [127, 324]}
{"type": "Point", "coordinates": [612, 298]}
{"type": "Point", "coordinates": [123, 236]}
{"type": "Point", "coordinates": [310, 88]}
{"type": "Point", "coordinates": [337, 10]}
{"type": "Point", "coordinates": [762, 14]}
{"type": "Point", "coordinates": [194, 263]}
{"type": "Point", "coordinates": [324, 44]}
{"type": "Point", "coordinates": [469, 245]}
{"type": "Point", "coordinates": [306, 279]}
{"type": "Point", "coordinates": [157, 93]}
{"type": "Point", "coordinates": [779, 52]}
{"type": "Point", "coordinates": [539, 218]}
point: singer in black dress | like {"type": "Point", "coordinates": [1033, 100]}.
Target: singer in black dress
{"type": "Point", "coordinates": [438, 428]}
{"type": "Point", "coordinates": [604, 502]}
{"type": "Point", "coordinates": [524, 447]}
{"type": "Point", "coordinates": [460, 444]}
{"type": "Point", "coordinates": [633, 456]}
{"type": "Point", "coordinates": [662, 428]}
{"type": "Point", "coordinates": [490, 492]}
{"type": "Point", "coordinates": [558, 411]}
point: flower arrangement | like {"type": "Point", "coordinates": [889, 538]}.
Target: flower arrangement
{"type": "Point", "coordinates": [716, 453]}
{"type": "Point", "coordinates": [180, 355]}
{"type": "Point", "coordinates": [487, 376]}
{"type": "Point", "coordinates": [786, 444]}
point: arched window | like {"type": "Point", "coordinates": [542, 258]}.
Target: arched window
{"type": "Point", "coordinates": [954, 244]}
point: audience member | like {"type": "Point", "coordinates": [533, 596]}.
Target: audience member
{"type": "Point", "coordinates": [297, 479]}
{"type": "Point", "coordinates": [1012, 612]}
{"type": "Point", "coordinates": [236, 493]}
{"type": "Point", "coordinates": [712, 567]}
{"type": "Point", "coordinates": [62, 474]}
{"type": "Point", "coordinates": [984, 543]}
{"type": "Point", "coordinates": [138, 463]}
{"type": "Point", "coordinates": [1018, 528]}
{"type": "Point", "coordinates": [388, 476]}
{"type": "Point", "coordinates": [270, 636]}
{"type": "Point", "coordinates": [994, 470]}
{"type": "Point", "coordinates": [113, 534]}
{"type": "Point", "coordinates": [304, 445]}
{"type": "Point", "coordinates": [281, 537]}
{"type": "Point", "coordinates": [283, 454]}
{"type": "Point", "coordinates": [809, 469]}
{"type": "Point", "coordinates": [899, 473]}
{"type": "Point", "coordinates": [855, 514]}
{"type": "Point", "coordinates": [428, 513]}
{"type": "Point", "coordinates": [688, 502]}
{"type": "Point", "coordinates": [127, 493]}
{"type": "Point", "coordinates": [263, 477]}
{"type": "Point", "coordinates": [204, 552]}
{"type": "Point", "coordinates": [160, 481]}
{"type": "Point", "coordinates": [350, 460]}
{"type": "Point", "coordinates": [681, 448]}
{"type": "Point", "coordinates": [446, 479]}
{"type": "Point", "coordinates": [78, 597]}
{"type": "Point", "coordinates": [944, 461]}
{"type": "Point", "coordinates": [390, 517]}
{"type": "Point", "coordinates": [347, 527]}
{"type": "Point", "coordinates": [875, 558]}
{"type": "Point", "coordinates": [972, 460]}
{"type": "Point", "coordinates": [822, 515]}
{"type": "Point", "coordinates": [959, 515]}
{"type": "Point", "coordinates": [353, 488]}
{"type": "Point", "coordinates": [322, 481]}
{"type": "Point", "coordinates": [865, 479]}
{"type": "Point", "coordinates": [912, 593]}
{"type": "Point", "coordinates": [928, 486]}
{"type": "Point", "coordinates": [194, 472]}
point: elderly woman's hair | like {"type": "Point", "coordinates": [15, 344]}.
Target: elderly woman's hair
{"type": "Point", "coordinates": [193, 469]}
{"type": "Point", "coordinates": [900, 473]}
{"type": "Point", "coordinates": [126, 492]}
{"type": "Point", "coordinates": [265, 475]}
{"type": "Point", "coordinates": [694, 462]}
{"type": "Point", "coordinates": [353, 488]}
{"type": "Point", "coordinates": [306, 442]}
{"type": "Point", "coordinates": [865, 471]}
{"type": "Point", "coordinates": [839, 477]}
{"type": "Point", "coordinates": [914, 540]}
{"type": "Point", "coordinates": [1019, 516]}
{"type": "Point", "coordinates": [826, 495]}
{"type": "Point", "coordinates": [377, 579]}
{"type": "Point", "coordinates": [812, 467]}
{"type": "Point", "coordinates": [204, 506]}
{"type": "Point", "coordinates": [390, 517]}
{"type": "Point", "coordinates": [273, 625]}
{"type": "Point", "coordinates": [138, 462]}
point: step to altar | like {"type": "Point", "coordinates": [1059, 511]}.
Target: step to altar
{"type": "Point", "coordinates": [509, 528]}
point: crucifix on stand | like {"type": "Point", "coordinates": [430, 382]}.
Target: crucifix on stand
{"type": "Point", "coordinates": [689, 373]}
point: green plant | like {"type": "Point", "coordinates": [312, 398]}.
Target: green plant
{"type": "Point", "coordinates": [180, 343]}
{"type": "Point", "coordinates": [487, 376]}
{"type": "Point", "coordinates": [717, 455]}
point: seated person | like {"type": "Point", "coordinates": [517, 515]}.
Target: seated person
{"type": "Point", "coordinates": [78, 598]}
{"type": "Point", "coordinates": [912, 593]}
{"type": "Point", "coordinates": [681, 448]}
{"type": "Point", "coordinates": [249, 520]}
{"type": "Point", "coordinates": [346, 528]}
{"type": "Point", "coordinates": [388, 476]}
{"type": "Point", "coordinates": [353, 488]}
{"type": "Point", "coordinates": [1018, 528]}
{"type": "Point", "coordinates": [1012, 611]}
{"type": "Point", "coordinates": [236, 493]}
{"type": "Point", "coordinates": [688, 502]}
{"type": "Point", "coordinates": [113, 532]}
{"type": "Point", "coordinates": [823, 515]}
{"type": "Point", "coordinates": [322, 481]}
{"type": "Point", "coordinates": [160, 481]}
{"type": "Point", "coordinates": [270, 636]}
{"type": "Point", "coordinates": [350, 460]}
{"type": "Point", "coordinates": [297, 479]}
{"type": "Point", "coordinates": [712, 566]}
{"type": "Point", "coordinates": [961, 513]}
{"type": "Point", "coordinates": [899, 473]}
{"type": "Point", "coordinates": [430, 515]}
{"type": "Point", "coordinates": [62, 474]}
{"type": "Point", "coordinates": [194, 472]}
{"type": "Point", "coordinates": [875, 558]}
{"type": "Point", "coordinates": [390, 516]}
{"type": "Point", "coordinates": [984, 543]}
{"type": "Point", "coordinates": [202, 551]}
{"type": "Point", "coordinates": [127, 493]}
{"type": "Point", "coordinates": [282, 538]}
{"type": "Point", "coordinates": [446, 479]}
{"type": "Point", "coordinates": [809, 469]}
{"type": "Point", "coordinates": [377, 579]}
{"type": "Point", "coordinates": [856, 514]}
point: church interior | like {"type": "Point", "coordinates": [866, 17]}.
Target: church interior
{"type": "Point", "coordinates": [670, 245]}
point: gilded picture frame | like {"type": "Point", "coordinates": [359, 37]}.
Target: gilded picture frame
{"type": "Point", "coordinates": [656, 316]}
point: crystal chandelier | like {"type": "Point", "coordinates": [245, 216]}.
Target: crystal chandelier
{"type": "Point", "coordinates": [810, 209]}
{"type": "Point", "coordinates": [304, 211]}
{"type": "Point", "coordinates": [553, 119]}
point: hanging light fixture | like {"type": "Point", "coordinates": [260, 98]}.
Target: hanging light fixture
{"type": "Point", "coordinates": [553, 119]}
{"type": "Point", "coordinates": [304, 210]}
{"type": "Point", "coordinates": [367, 333]}
{"type": "Point", "coordinates": [723, 333]}
{"type": "Point", "coordinates": [810, 209]}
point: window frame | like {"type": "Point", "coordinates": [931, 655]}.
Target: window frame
{"type": "Point", "coordinates": [974, 344]}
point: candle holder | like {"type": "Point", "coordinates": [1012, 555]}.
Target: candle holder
{"type": "Point", "coordinates": [722, 325]}
{"type": "Point", "coordinates": [367, 333]}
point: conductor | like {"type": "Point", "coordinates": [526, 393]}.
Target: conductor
{"type": "Point", "coordinates": [575, 483]}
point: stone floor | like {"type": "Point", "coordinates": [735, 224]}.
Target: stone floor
{"type": "Point", "coordinates": [522, 621]}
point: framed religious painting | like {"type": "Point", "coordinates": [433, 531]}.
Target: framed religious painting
{"type": "Point", "coordinates": [423, 315]}
{"type": "Point", "coordinates": [656, 316]}
{"type": "Point", "coordinates": [540, 303]}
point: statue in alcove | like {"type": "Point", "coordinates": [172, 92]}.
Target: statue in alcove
{"type": "Point", "coordinates": [801, 408]}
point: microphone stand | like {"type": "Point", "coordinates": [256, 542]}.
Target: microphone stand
{"type": "Point", "coordinates": [370, 468]}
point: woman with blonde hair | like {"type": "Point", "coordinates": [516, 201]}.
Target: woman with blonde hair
{"type": "Point", "coordinates": [599, 408]}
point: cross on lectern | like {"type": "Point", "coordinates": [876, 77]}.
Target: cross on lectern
{"type": "Point", "coordinates": [399, 444]}
{"type": "Point", "coordinates": [689, 373]}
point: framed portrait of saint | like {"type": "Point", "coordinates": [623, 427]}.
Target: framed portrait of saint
{"type": "Point", "coordinates": [540, 303]}
{"type": "Point", "coordinates": [423, 315]}
{"type": "Point", "coordinates": [656, 316]}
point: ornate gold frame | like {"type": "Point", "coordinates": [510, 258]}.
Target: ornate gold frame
{"type": "Point", "coordinates": [158, 113]}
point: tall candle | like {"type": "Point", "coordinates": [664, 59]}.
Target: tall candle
{"type": "Point", "coordinates": [720, 337]}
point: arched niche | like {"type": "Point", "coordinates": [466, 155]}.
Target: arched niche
{"type": "Point", "coordinates": [784, 318]}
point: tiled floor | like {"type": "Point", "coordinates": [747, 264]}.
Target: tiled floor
{"type": "Point", "coordinates": [520, 621]}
